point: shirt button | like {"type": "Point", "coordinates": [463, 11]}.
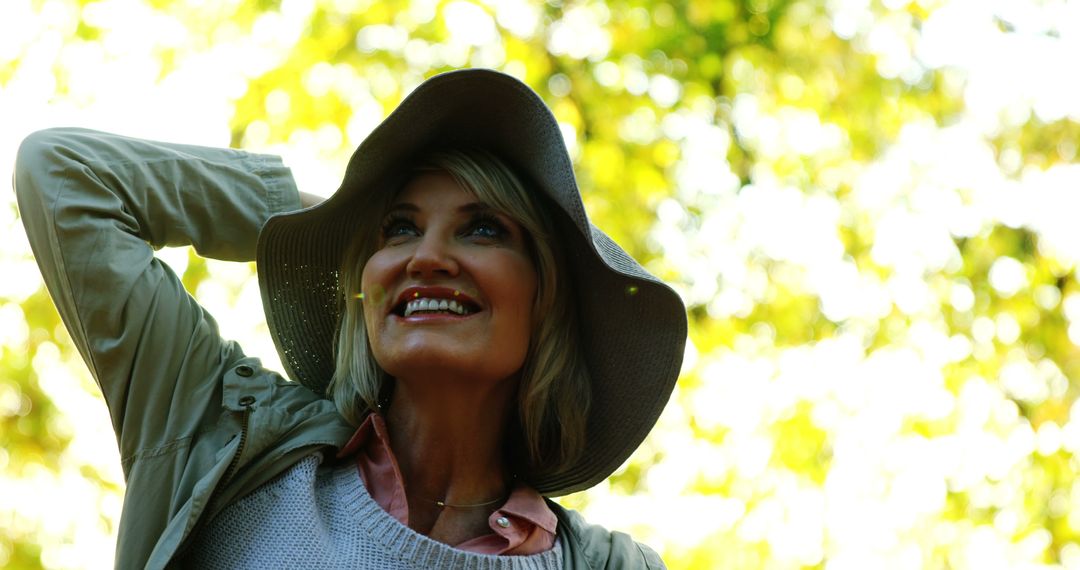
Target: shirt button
{"type": "Point", "coordinates": [244, 370]}
{"type": "Point", "coordinates": [503, 522]}
{"type": "Point", "coordinates": [247, 400]}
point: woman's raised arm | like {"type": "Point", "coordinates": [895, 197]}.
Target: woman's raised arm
{"type": "Point", "coordinates": [95, 206]}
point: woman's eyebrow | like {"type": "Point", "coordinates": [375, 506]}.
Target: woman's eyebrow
{"type": "Point", "coordinates": [472, 207]}
{"type": "Point", "coordinates": [403, 207]}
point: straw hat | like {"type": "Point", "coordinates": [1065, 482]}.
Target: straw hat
{"type": "Point", "coordinates": [632, 325]}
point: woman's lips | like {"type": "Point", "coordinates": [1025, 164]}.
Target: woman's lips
{"type": "Point", "coordinates": [432, 305]}
{"type": "Point", "coordinates": [434, 301]}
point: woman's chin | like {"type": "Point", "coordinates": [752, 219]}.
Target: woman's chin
{"type": "Point", "coordinates": [435, 364]}
{"type": "Point", "coordinates": [438, 354]}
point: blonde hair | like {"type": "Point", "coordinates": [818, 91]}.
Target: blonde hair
{"type": "Point", "coordinates": [553, 394]}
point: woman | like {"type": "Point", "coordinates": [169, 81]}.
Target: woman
{"type": "Point", "coordinates": [550, 367]}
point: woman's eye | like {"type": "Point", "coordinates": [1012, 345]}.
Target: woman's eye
{"type": "Point", "coordinates": [487, 229]}
{"type": "Point", "coordinates": [394, 229]}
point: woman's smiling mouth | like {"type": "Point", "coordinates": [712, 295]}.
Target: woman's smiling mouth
{"type": "Point", "coordinates": [434, 306]}
{"type": "Point", "coordinates": [420, 301]}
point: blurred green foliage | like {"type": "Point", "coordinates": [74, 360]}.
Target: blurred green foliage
{"type": "Point", "coordinates": [631, 80]}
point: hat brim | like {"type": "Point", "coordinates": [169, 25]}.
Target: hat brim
{"type": "Point", "coordinates": [632, 325]}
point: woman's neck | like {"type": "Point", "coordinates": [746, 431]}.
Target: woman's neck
{"type": "Point", "coordinates": [448, 439]}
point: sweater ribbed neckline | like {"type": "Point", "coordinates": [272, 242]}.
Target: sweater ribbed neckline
{"type": "Point", "coordinates": [418, 550]}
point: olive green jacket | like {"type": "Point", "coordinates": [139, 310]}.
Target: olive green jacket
{"type": "Point", "coordinates": [199, 424]}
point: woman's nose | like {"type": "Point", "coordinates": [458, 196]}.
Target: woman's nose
{"type": "Point", "coordinates": [432, 257]}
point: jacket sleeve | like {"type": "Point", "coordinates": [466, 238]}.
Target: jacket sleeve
{"type": "Point", "coordinates": [95, 206]}
{"type": "Point", "coordinates": [592, 547]}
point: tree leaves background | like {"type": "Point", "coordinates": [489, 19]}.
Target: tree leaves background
{"type": "Point", "coordinates": [865, 204]}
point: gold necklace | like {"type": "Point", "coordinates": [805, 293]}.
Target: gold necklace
{"type": "Point", "coordinates": [444, 505]}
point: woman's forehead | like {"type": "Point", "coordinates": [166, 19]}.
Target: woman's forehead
{"type": "Point", "coordinates": [431, 185]}
{"type": "Point", "coordinates": [437, 190]}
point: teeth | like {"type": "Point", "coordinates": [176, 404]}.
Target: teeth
{"type": "Point", "coordinates": [434, 305]}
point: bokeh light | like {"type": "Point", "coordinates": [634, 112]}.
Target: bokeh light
{"type": "Point", "coordinates": [866, 206]}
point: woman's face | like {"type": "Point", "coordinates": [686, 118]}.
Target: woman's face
{"type": "Point", "coordinates": [450, 287]}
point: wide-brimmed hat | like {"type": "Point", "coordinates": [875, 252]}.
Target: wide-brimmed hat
{"type": "Point", "coordinates": [631, 325]}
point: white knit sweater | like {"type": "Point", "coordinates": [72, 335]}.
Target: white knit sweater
{"type": "Point", "coordinates": [325, 518]}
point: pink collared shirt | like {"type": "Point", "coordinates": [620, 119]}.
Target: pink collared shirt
{"type": "Point", "coordinates": [531, 527]}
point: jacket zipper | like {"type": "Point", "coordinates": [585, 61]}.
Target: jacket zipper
{"type": "Point", "coordinates": [210, 504]}
{"type": "Point", "coordinates": [229, 472]}
{"type": "Point", "coordinates": [236, 456]}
